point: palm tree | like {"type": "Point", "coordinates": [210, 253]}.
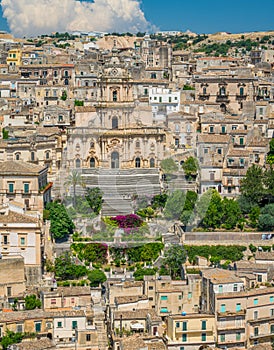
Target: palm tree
{"type": "Point", "coordinates": [74, 179]}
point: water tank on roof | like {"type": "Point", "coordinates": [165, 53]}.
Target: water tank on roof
{"type": "Point", "coordinates": [183, 313]}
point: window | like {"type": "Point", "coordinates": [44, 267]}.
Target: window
{"type": "Point", "coordinates": [203, 325]}
{"type": "Point", "coordinates": [271, 298]}
{"type": "Point", "coordinates": [256, 331]}
{"type": "Point", "coordinates": [241, 91]}
{"type": "Point", "coordinates": [145, 91]}
{"type": "Point", "coordinates": [17, 156]}
{"type": "Point", "coordinates": [177, 324]}
{"type": "Point", "coordinates": [241, 141]}
{"type": "Point", "coordinates": [47, 154]}
{"type": "Point", "coordinates": [59, 324]}
{"type": "Point", "coordinates": [203, 336]}
{"type": "Point", "coordinates": [32, 156]}
{"type": "Point", "coordinates": [222, 91]}
{"type": "Point", "coordinates": [152, 163]}
{"type": "Point", "coordinates": [114, 96]}
{"type": "Point", "coordinates": [182, 348]}
{"type": "Point", "coordinates": [169, 99]}
{"type": "Point", "coordinates": [260, 278]}
{"type": "Point", "coordinates": [255, 301]}
{"type": "Point", "coordinates": [77, 163]}
{"type": "Point", "coordinates": [26, 187]}
{"type": "Point", "coordinates": [177, 142]}
{"type": "Point", "coordinates": [160, 99]}
{"type": "Point", "coordinates": [211, 129]}
{"type": "Point", "coordinates": [219, 151]}
{"type": "Point", "coordinates": [223, 129]}
{"type": "Point", "coordinates": [150, 288]}
{"type": "Point", "coordinates": [37, 326]}
{"type": "Point", "coordinates": [205, 150]}
{"type": "Point", "coordinates": [114, 124]}
{"type": "Point", "coordinates": [234, 127]}
{"type": "Point", "coordinates": [184, 338]}
{"type": "Point", "coordinates": [220, 286]}
{"type": "Point", "coordinates": [5, 240]}
{"type": "Point", "coordinates": [53, 301]}
{"type": "Point", "coordinates": [242, 162]}
{"type": "Point", "coordinates": [163, 297]}
{"type": "Point", "coordinates": [74, 324]}
{"type": "Point", "coordinates": [184, 326]}
{"type": "Point", "coordinates": [238, 336]}
{"type": "Point", "coordinates": [271, 312]}
{"type": "Point", "coordinates": [255, 315]}
{"type": "Point", "coordinates": [212, 178]}
{"type": "Point", "coordinates": [189, 295]}
{"type": "Point", "coordinates": [272, 329]}
{"type": "Point", "coordinates": [19, 328]}
{"type": "Point", "coordinates": [235, 288]}
{"type": "Point", "coordinates": [164, 310]}
{"type": "Point", "coordinates": [222, 338]}
{"type": "Point", "coordinates": [180, 297]}
{"type": "Point", "coordinates": [238, 307]}
{"type": "Point", "coordinates": [9, 291]}
{"type": "Point", "coordinates": [88, 337]}
{"type": "Point", "coordinates": [22, 241]}
{"type": "Point", "coordinates": [223, 308]}
{"type": "Point", "coordinates": [11, 187]}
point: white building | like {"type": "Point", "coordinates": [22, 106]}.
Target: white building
{"type": "Point", "coordinates": [163, 102]}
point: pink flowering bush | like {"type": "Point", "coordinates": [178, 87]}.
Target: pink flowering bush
{"type": "Point", "coordinates": [128, 221]}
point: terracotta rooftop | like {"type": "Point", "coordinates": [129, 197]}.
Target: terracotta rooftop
{"type": "Point", "coordinates": [13, 217]}
{"type": "Point", "coordinates": [41, 344]}
{"type": "Point", "coordinates": [220, 276]}
{"type": "Point", "coordinates": [17, 167]}
{"type": "Point", "coordinates": [130, 299]}
{"type": "Point", "coordinates": [213, 138]}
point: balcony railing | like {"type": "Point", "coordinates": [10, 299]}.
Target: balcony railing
{"type": "Point", "coordinates": [222, 98]}
{"type": "Point", "coordinates": [204, 96]}
{"type": "Point", "coordinates": [240, 97]}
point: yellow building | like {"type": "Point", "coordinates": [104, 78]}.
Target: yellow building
{"type": "Point", "coordinates": [190, 332]}
{"type": "Point", "coordinates": [14, 57]}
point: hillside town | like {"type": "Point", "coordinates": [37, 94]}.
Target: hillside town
{"type": "Point", "coordinates": [137, 191]}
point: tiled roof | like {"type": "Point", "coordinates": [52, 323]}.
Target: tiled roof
{"type": "Point", "coordinates": [264, 256]}
{"type": "Point", "coordinates": [130, 299]}
{"type": "Point", "coordinates": [213, 138]}
{"type": "Point", "coordinates": [217, 276]}
{"type": "Point", "coordinates": [17, 167]}
{"type": "Point", "coordinates": [137, 314]}
{"type": "Point", "coordinates": [13, 217]}
{"type": "Point", "coordinates": [41, 344]}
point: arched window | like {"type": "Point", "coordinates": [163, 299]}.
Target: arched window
{"type": "Point", "coordinates": [241, 91]}
{"type": "Point", "coordinates": [32, 156]}
{"type": "Point", "coordinates": [115, 160]}
{"type": "Point", "coordinates": [137, 162]}
{"type": "Point", "coordinates": [114, 123]}
{"type": "Point", "coordinates": [86, 83]}
{"type": "Point", "coordinates": [222, 91]}
{"type": "Point", "coordinates": [47, 154]}
{"type": "Point", "coordinates": [153, 76]}
{"type": "Point", "coordinates": [92, 144]}
{"type": "Point", "coordinates": [114, 96]}
{"type": "Point", "coordinates": [60, 118]}
{"type": "Point", "coordinates": [77, 163]}
{"type": "Point", "coordinates": [66, 82]}
{"type": "Point", "coordinates": [92, 162]}
{"type": "Point", "coordinates": [204, 90]}
{"type": "Point", "coordinates": [152, 163]}
{"type": "Point", "coordinates": [17, 156]}
{"type": "Point", "coordinates": [66, 73]}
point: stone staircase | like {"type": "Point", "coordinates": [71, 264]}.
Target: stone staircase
{"type": "Point", "coordinates": [120, 185]}
{"type": "Point", "coordinates": [178, 181]}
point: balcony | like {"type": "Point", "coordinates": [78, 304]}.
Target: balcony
{"type": "Point", "coordinates": [51, 98]}
{"type": "Point", "coordinates": [222, 98]}
{"type": "Point", "coordinates": [241, 97]}
{"type": "Point", "coordinates": [203, 97]}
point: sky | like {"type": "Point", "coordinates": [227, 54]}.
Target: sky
{"type": "Point", "coordinates": [35, 17]}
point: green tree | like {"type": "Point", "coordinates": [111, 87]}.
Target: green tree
{"type": "Point", "coordinates": [5, 134]}
{"type": "Point", "coordinates": [214, 214]}
{"type": "Point", "coordinates": [159, 201]}
{"type": "Point", "coordinates": [31, 302]}
{"type": "Point", "coordinates": [96, 277]}
{"type": "Point", "coordinates": [175, 205]}
{"type": "Point", "coordinates": [190, 167]}
{"type": "Point", "coordinates": [66, 269]}
{"type": "Point", "coordinates": [174, 257]}
{"type": "Point", "coordinates": [141, 272]}
{"type": "Point", "coordinates": [252, 186]}
{"type": "Point", "coordinates": [254, 216]}
{"type": "Point", "coordinates": [74, 179]}
{"type": "Point", "coordinates": [11, 338]}
{"type": "Point", "coordinates": [61, 224]}
{"type": "Point", "coordinates": [168, 166]}
{"type": "Point", "coordinates": [270, 154]}
{"type": "Point", "coordinates": [266, 218]}
{"type": "Point", "coordinates": [94, 197]}
{"type": "Point", "coordinates": [231, 213]}
{"type": "Point", "coordinates": [64, 95]}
